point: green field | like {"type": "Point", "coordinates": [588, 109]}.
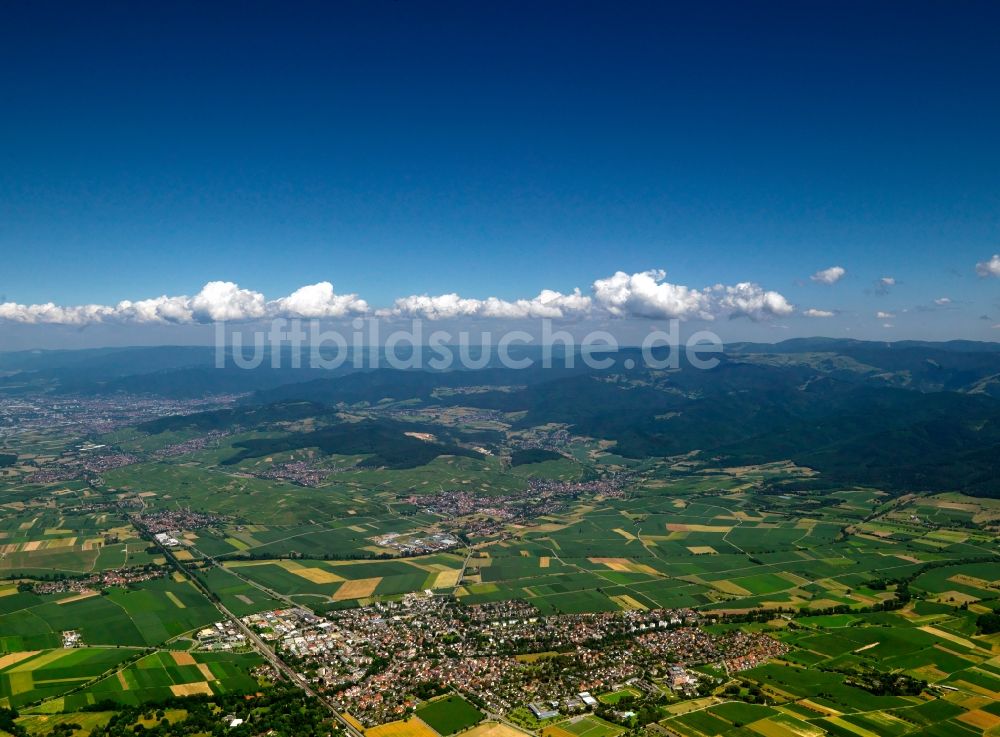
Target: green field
{"type": "Point", "coordinates": [50, 673]}
{"type": "Point", "coordinates": [450, 714]}
{"type": "Point", "coordinates": [149, 613]}
{"type": "Point", "coordinates": [613, 697]}
{"type": "Point", "coordinates": [590, 726]}
{"type": "Point", "coordinates": [164, 674]}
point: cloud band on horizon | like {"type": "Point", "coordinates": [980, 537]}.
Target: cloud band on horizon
{"type": "Point", "coordinates": [644, 294]}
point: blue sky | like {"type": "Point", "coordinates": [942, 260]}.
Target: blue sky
{"type": "Point", "coordinates": [499, 149]}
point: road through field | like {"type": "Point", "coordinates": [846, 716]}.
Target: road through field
{"type": "Point", "coordinates": [258, 644]}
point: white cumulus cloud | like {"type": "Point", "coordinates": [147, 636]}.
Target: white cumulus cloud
{"type": "Point", "coordinates": [548, 303]}
{"type": "Point", "coordinates": [817, 313]}
{"type": "Point", "coordinates": [747, 299]}
{"type": "Point", "coordinates": [884, 285]}
{"type": "Point", "coordinates": [318, 300]}
{"type": "Point", "coordinates": [884, 315]}
{"type": "Point", "coordinates": [646, 294]}
{"type": "Point", "coordinates": [224, 300]}
{"type": "Point", "coordinates": [989, 268]}
{"type": "Point", "coordinates": [50, 313]}
{"type": "Point", "coordinates": [829, 276]}
{"type": "Point", "coordinates": [942, 301]}
{"type": "Point", "coordinates": [217, 300]}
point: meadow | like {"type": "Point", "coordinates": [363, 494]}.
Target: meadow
{"type": "Point", "coordinates": [29, 676]}
{"type": "Point", "coordinates": [145, 614]}
{"type": "Point", "coordinates": [165, 674]}
{"type": "Point", "coordinates": [449, 714]}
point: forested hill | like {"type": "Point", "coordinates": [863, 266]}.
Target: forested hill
{"type": "Point", "coordinates": [899, 416]}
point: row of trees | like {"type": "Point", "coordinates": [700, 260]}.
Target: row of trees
{"type": "Point", "coordinates": [282, 710]}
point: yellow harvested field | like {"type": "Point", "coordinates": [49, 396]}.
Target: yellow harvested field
{"type": "Point", "coordinates": [615, 564]}
{"type": "Point", "coordinates": [948, 636]}
{"type": "Point", "coordinates": [970, 703]}
{"type": "Point", "coordinates": [191, 689]}
{"type": "Point", "coordinates": [627, 535]}
{"type": "Point", "coordinates": [976, 583]}
{"type": "Point", "coordinates": [358, 589]}
{"type": "Point", "coordinates": [183, 555]}
{"type": "Point", "coordinates": [182, 658]}
{"type": "Point", "coordinates": [316, 575]}
{"type": "Point", "coordinates": [556, 731]}
{"type": "Point", "coordinates": [728, 587]}
{"type": "Point", "coordinates": [206, 671]}
{"type": "Point", "coordinates": [493, 729]}
{"type": "Point", "coordinates": [686, 707]}
{"type": "Point", "coordinates": [683, 527]}
{"type": "Point", "coordinates": [951, 597]}
{"type": "Point", "coordinates": [628, 603]}
{"type": "Point", "coordinates": [976, 689]}
{"type": "Point", "coordinates": [122, 680]}
{"type": "Point", "coordinates": [44, 659]}
{"type": "Point", "coordinates": [349, 718]}
{"type": "Point", "coordinates": [776, 729]}
{"type": "Point", "coordinates": [8, 660]}
{"type": "Point", "coordinates": [980, 719]}
{"type": "Point", "coordinates": [447, 579]}
{"type": "Point", "coordinates": [702, 549]}
{"type": "Point", "coordinates": [413, 727]}
{"type": "Point", "coordinates": [543, 562]}
{"type": "Point", "coordinates": [625, 565]}
{"type": "Point", "coordinates": [177, 602]}
{"type": "Point", "coordinates": [78, 597]}
{"type": "Point", "coordinates": [819, 708]}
